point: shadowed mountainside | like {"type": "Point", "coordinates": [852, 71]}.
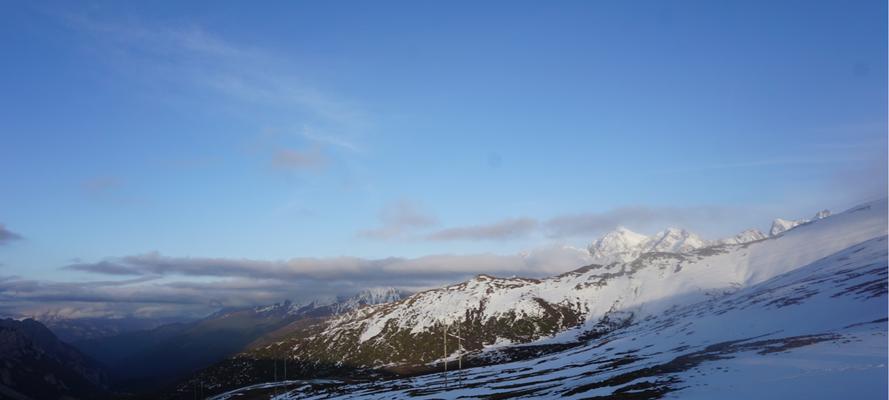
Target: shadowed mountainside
{"type": "Point", "coordinates": [35, 364]}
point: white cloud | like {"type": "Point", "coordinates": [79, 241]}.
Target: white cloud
{"type": "Point", "coordinates": [169, 286]}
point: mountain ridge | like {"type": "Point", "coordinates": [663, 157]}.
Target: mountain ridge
{"type": "Point", "coordinates": [495, 312]}
{"type": "Point", "coordinates": [810, 332]}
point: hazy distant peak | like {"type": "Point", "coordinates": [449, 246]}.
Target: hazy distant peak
{"type": "Point", "coordinates": [780, 225]}
{"type": "Point", "coordinates": [675, 240]}
{"type": "Point", "coordinates": [620, 244]}
{"type": "Point", "coordinates": [822, 214]}
{"type": "Point", "coordinates": [624, 245]}
{"type": "Point", "coordinates": [378, 295]}
{"type": "Point", "coordinates": [746, 236]}
{"type": "Point", "coordinates": [369, 297]}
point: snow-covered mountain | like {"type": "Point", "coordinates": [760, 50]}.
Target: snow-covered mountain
{"type": "Point", "coordinates": [737, 296]}
{"type": "Point", "coordinates": [747, 236]}
{"type": "Point", "coordinates": [620, 245]}
{"type": "Point", "coordinates": [780, 225]}
{"type": "Point", "coordinates": [369, 297]}
{"type": "Point", "coordinates": [624, 245]}
{"type": "Point", "coordinates": [333, 305]}
{"type": "Point", "coordinates": [816, 332]}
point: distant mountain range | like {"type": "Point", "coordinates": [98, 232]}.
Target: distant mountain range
{"type": "Point", "coordinates": [818, 281]}
{"type": "Point", "coordinates": [624, 245]}
{"type": "Point", "coordinates": [71, 330]}
{"type": "Point", "coordinates": [141, 359]}
{"type": "Point", "coordinates": [645, 319]}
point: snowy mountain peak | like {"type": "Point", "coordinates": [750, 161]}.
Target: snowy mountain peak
{"type": "Point", "coordinates": [379, 295]}
{"type": "Point", "coordinates": [624, 245]}
{"type": "Point", "coordinates": [747, 236]}
{"type": "Point", "coordinates": [780, 225]}
{"type": "Point", "coordinates": [621, 244]}
{"type": "Point", "coordinates": [620, 230]}
{"type": "Point", "coordinates": [369, 297]}
{"type": "Point", "coordinates": [338, 304]}
{"type": "Point", "coordinates": [277, 307]}
{"type": "Point", "coordinates": [675, 240]}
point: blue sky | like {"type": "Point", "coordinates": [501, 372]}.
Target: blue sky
{"type": "Point", "coordinates": [378, 129]}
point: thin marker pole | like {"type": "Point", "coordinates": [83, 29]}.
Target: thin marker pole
{"type": "Point", "coordinates": [459, 356]}
{"type": "Point", "coordinates": [445, 338]}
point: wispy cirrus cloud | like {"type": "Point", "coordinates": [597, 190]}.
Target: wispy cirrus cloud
{"type": "Point", "coordinates": [297, 159]}
{"type": "Point", "coordinates": [187, 62]}
{"type": "Point", "coordinates": [776, 162]}
{"type": "Point", "coordinates": [339, 141]}
{"type": "Point", "coordinates": [101, 185]}
{"type": "Point", "coordinates": [399, 219]}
